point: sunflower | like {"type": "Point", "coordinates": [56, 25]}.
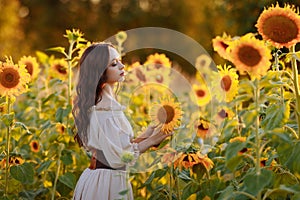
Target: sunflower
{"type": "Point", "coordinates": [139, 72]}
{"type": "Point", "coordinates": [200, 91]}
{"type": "Point", "coordinates": [238, 139]}
{"type": "Point", "coordinates": [204, 129]}
{"type": "Point", "coordinates": [3, 163]}
{"type": "Point", "coordinates": [250, 55]}
{"type": "Point", "coordinates": [60, 128]}
{"type": "Point", "coordinates": [167, 113]}
{"type": "Point", "coordinates": [220, 45]}
{"type": "Point", "coordinates": [280, 26]}
{"type": "Point", "coordinates": [13, 79]}
{"type": "Point", "coordinates": [157, 61]}
{"type": "Point", "coordinates": [223, 113]}
{"type": "Point", "coordinates": [160, 76]}
{"type": "Point", "coordinates": [59, 69]}
{"type": "Point", "coordinates": [188, 160]}
{"type": "Point", "coordinates": [169, 157]}
{"type": "Point", "coordinates": [227, 82]}
{"type": "Point", "coordinates": [16, 160]}
{"type": "Point", "coordinates": [31, 65]}
{"type": "Point", "coordinates": [34, 146]}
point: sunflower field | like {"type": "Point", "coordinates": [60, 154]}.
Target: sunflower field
{"type": "Point", "coordinates": [236, 125]}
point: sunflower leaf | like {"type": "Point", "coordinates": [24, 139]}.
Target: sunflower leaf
{"type": "Point", "coordinates": [68, 179]}
{"type": "Point", "coordinates": [276, 115]}
{"type": "Point", "coordinates": [7, 119]}
{"type": "Point", "coordinates": [23, 173]}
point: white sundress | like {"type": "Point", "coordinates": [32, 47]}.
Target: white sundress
{"type": "Point", "coordinates": [109, 131]}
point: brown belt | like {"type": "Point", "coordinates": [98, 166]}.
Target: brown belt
{"type": "Point", "coordinates": [96, 164]}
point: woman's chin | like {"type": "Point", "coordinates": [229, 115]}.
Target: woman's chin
{"type": "Point", "coordinates": [121, 79]}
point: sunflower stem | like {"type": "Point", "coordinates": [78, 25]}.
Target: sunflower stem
{"type": "Point", "coordinates": [69, 70]}
{"type": "Point", "coordinates": [8, 130]}
{"type": "Point", "coordinates": [296, 85]}
{"type": "Point", "coordinates": [57, 173]}
{"type": "Point", "coordinates": [171, 172]}
{"type": "Point", "coordinates": [257, 139]}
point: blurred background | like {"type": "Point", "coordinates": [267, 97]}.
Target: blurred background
{"type": "Point", "coordinates": [30, 25]}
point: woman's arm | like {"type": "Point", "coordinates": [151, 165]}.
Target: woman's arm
{"type": "Point", "coordinates": [147, 133]}
{"type": "Point", "coordinates": [157, 137]}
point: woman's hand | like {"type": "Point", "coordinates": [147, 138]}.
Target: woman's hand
{"type": "Point", "coordinates": [158, 136]}
{"type": "Point", "coordinates": [147, 133]}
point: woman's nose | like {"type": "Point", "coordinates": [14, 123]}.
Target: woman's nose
{"type": "Point", "coordinates": [121, 66]}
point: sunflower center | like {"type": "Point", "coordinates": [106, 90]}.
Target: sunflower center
{"type": "Point", "coordinates": [29, 68]}
{"type": "Point", "coordinates": [201, 127]}
{"type": "Point", "coordinates": [9, 78]}
{"type": "Point", "coordinates": [17, 161]}
{"type": "Point", "coordinates": [158, 64]}
{"type": "Point", "coordinates": [249, 55]}
{"type": "Point", "coordinates": [280, 29]}
{"type": "Point", "coordinates": [35, 145]}
{"type": "Point", "coordinates": [140, 75]}
{"type": "Point", "coordinates": [200, 93]}
{"type": "Point", "coordinates": [223, 113]}
{"type": "Point", "coordinates": [226, 83]}
{"type": "Point", "coordinates": [159, 78]}
{"type": "Point", "coordinates": [223, 45]}
{"type": "Point", "coordinates": [165, 114]}
{"type": "Point", "coordinates": [61, 69]}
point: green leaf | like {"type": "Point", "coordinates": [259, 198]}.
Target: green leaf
{"type": "Point", "coordinates": [44, 166]}
{"type": "Point", "coordinates": [227, 193]}
{"type": "Point", "coordinates": [190, 189]}
{"type": "Point", "coordinates": [249, 117]}
{"type": "Point", "coordinates": [57, 49]}
{"type": "Point", "coordinates": [61, 113]}
{"type": "Point", "coordinates": [7, 119]}
{"type": "Point", "coordinates": [184, 176]}
{"type": "Point", "coordinates": [293, 163]}
{"type": "Point", "coordinates": [123, 192]}
{"type": "Point", "coordinates": [42, 57]}
{"type": "Point", "coordinates": [256, 182]}
{"type": "Point", "coordinates": [23, 126]}
{"type": "Point", "coordinates": [277, 115]}
{"type": "Point", "coordinates": [68, 179]}
{"type": "Point", "coordinates": [66, 157]}
{"type": "Point", "coordinates": [23, 173]}
{"type": "Point", "coordinates": [233, 159]}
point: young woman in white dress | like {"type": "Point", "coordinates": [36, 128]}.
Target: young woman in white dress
{"type": "Point", "coordinates": [102, 127]}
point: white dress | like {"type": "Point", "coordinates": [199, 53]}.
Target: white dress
{"type": "Point", "coordinates": [109, 131]}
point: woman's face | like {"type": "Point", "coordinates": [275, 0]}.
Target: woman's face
{"type": "Point", "coordinates": [115, 71]}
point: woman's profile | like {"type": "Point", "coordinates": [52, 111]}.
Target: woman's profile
{"type": "Point", "coordinates": [102, 127]}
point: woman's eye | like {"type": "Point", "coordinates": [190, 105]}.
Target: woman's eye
{"type": "Point", "coordinates": [114, 64]}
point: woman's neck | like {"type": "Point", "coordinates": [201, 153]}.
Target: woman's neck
{"type": "Point", "coordinates": [109, 90]}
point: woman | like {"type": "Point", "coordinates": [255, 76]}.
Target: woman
{"type": "Point", "coordinates": [103, 128]}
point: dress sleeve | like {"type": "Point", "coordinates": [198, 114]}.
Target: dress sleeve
{"type": "Point", "coordinates": [112, 136]}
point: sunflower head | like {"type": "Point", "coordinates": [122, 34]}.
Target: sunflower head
{"type": "Point", "coordinates": [201, 94]}
{"type": "Point", "coordinates": [59, 69]}
{"type": "Point", "coordinates": [31, 65]}
{"type": "Point", "coordinates": [220, 44]}
{"type": "Point", "coordinates": [238, 139]}
{"type": "Point", "coordinates": [250, 55]}
{"type": "Point", "coordinates": [280, 26]}
{"type": "Point", "coordinates": [204, 129]}
{"type": "Point", "coordinates": [226, 83]}
{"type": "Point", "coordinates": [158, 61]}
{"type": "Point", "coordinates": [13, 78]}
{"type": "Point", "coordinates": [34, 146]}
{"type": "Point", "coordinates": [191, 159]}
{"type": "Point", "coordinates": [168, 113]}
